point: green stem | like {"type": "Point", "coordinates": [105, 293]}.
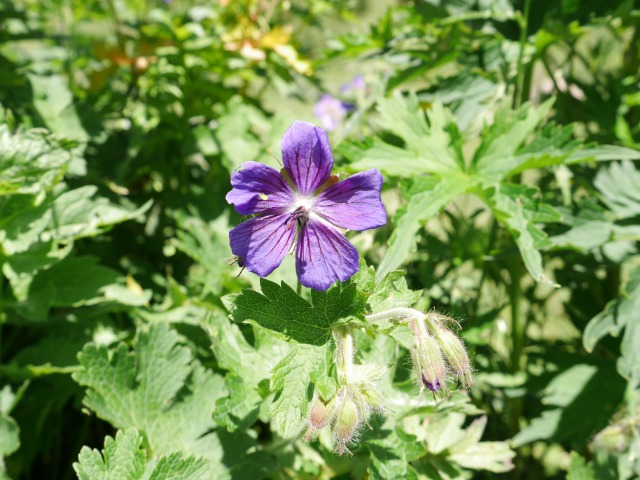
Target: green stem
{"type": "Point", "coordinates": [33, 371]}
{"type": "Point", "coordinates": [299, 289]}
{"type": "Point", "coordinates": [344, 354]}
{"type": "Point", "coordinates": [517, 323]}
{"type": "Point", "coordinates": [493, 233]}
{"type": "Point", "coordinates": [395, 314]}
{"type": "Point", "coordinates": [524, 32]}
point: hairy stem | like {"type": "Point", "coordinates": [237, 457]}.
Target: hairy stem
{"type": "Point", "coordinates": [344, 354]}
{"type": "Point", "coordinates": [395, 314]}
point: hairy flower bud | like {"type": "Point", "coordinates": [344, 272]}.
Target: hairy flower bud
{"type": "Point", "coordinates": [613, 439]}
{"type": "Point", "coordinates": [347, 423]}
{"type": "Point", "coordinates": [427, 358]}
{"type": "Point", "coordinates": [456, 355]}
{"type": "Point", "coordinates": [373, 399]}
{"type": "Point", "coordinates": [320, 413]}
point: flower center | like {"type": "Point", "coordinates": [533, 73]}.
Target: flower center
{"type": "Point", "coordinates": [301, 212]}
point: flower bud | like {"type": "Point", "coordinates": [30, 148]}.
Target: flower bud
{"type": "Point", "coordinates": [427, 358]}
{"type": "Point", "coordinates": [373, 399]}
{"type": "Point", "coordinates": [347, 423]}
{"type": "Point", "coordinates": [613, 439]}
{"type": "Point", "coordinates": [456, 355]}
{"type": "Point", "coordinates": [320, 415]}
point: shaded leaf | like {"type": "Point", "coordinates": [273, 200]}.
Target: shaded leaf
{"type": "Point", "coordinates": [292, 382]}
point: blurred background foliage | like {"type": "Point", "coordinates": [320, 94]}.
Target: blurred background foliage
{"type": "Point", "coordinates": [508, 135]}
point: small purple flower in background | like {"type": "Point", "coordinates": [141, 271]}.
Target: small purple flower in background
{"type": "Point", "coordinates": [330, 111]}
{"type": "Point", "coordinates": [303, 204]}
{"type": "Point", "coordinates": [357, 84]}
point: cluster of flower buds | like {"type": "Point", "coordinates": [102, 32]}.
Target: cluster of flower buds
{"type": "Point", "coordinates": [355, 400]}
{"type": "Point", "coordinates": [437, 352]}
{"type": "Point", "coordinates": [616, 438]}
{"type": "Point", "coordinates": [345, 413]}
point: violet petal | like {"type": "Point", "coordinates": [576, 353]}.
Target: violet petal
{"type": "Point", "coordinates": [307, 157]}
{"type": "Point", "coordinates": [354, 203]}
{"type": "Point", "coordinates": [434, 387]}
{"type": "Point", "coordinates": [324, 255]}
{"type": "Point", "coordinates": [258, 188]}
{"type": "Point", "coordinates": [262, 242]}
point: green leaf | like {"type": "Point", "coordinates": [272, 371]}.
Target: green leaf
{"type": "Point", "coordinates": [123, 458]}
{"type": "Point", "coordinates": [204, 242]}
{"type": "Point", "coordinates": [33, 161]}
{"type": "Point", "coordinates": [238, 410]}
{"type": "Point", "coordinates": [253, 363]}
{"type": "Point", "coordinates": [79, 213]}
{"type": "Point", "coordinates": [620, 188]}
{"type": "Point", "coordinates": [470, 95]}
{"type": "Point", "coordinates": [292, 383]}
{"type": "Point", "coordinates": [54, 102]}
{"type": "Point", "coordinates": [64, 217]}
{"type": "Point", "coordinates": [430, 147]}
{"type": "Point", "coordinates": [586, 236]}
{"type": "Point", "coordinates": [496, 156]}
{"type": "Point", "coordinates": [279, 309]}
{"type": "Point", "coordinates": [234, 135]}
{"type": "Point", "coordinates": [392, 292]}
{"type": "Point", "coordinates": [73, 282]}
{"type": "Point", "coordinates": [579, 469]}
{"type": "Point", "coordinates": [389, 159]}
{"type": "Point", "coordinates": [9, 429]}
{"type": "Point", "coordinates": [513, 209]}
{"type": "Point", "coordinates": [471, 453]}
{"type": "Point", "coordinates": [603, 153]}
{"type": "Point", "coordinates": [390, 455]}
{"type": "Point", "coordinates": [421, 207]}
{"type": "Point", "coordinates": [178, 466]}
{"type": "Point", "coordinates": [582, 399]}
{"type": "Point", "coordinates": [620, 314]}
{"type": "Point", "coordinates": [158, 388]}
{"type": "Point", "coordinates": [20, 268]}
{"type": "Point", "coordinates": [492, 456]}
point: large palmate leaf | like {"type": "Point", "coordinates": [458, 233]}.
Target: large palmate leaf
{"type": "Point", "coordinates": [496, 156]}
{"type": "Point", "coordinates": [123, 458]}
{"type": "Point", "coordinates": [158, 388]}
{"type": "Point", "coordinates": [432, 143]}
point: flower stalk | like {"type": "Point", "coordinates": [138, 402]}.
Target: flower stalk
{"type": "Point", "coordinates": [355, 400]}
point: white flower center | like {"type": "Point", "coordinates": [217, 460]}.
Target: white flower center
{"type": "Point", "coordinates": [304, 203]}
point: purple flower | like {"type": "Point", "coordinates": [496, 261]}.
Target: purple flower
{"type": "Point", "coordinates": [357, 84]}
{"type": "Point", "coordinates": [303, 204]}
{"type": "Point", "coordinates": [330, 111]}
